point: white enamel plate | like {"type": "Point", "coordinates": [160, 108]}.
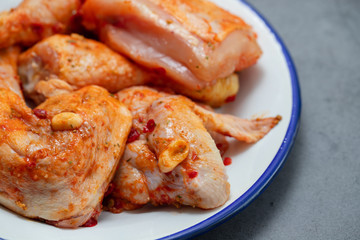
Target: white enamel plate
{"type": "Point", "coordinates": [269, 88]}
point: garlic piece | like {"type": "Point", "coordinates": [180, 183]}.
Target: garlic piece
{"type": "Point", "coordinates": [176, 152]}
{"type": "Point", "coordinates": [66, 121]}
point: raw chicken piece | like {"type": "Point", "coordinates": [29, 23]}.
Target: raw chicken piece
{"type": "Point", "coordinates": [170, 157]}
{"type": "Point", "coordinates": [63, 63]}
{"type": "Point", "coordinates": [79, 62]}
{"type": "Point", "coordinates": [57, 160]}
{"type": "Point", "coordinates": [34, 20]}
{"type": "Point", "coordinates": [138, 99]}
{"type": "Point", "coordinates": [8, 70]}
{"type": "Point", "coordinates": [130, 186]}
{"type": "Point", "coordinates": [249, 131]}
{"type": "Point", "coordinates": [178, 164]}
{"type": "Point", "coordinates": [193, 42]}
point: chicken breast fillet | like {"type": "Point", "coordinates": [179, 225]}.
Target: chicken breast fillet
{"type": "Point", "coordinates": [57, 160]}
{"type": "Point", "coordinates": [34, 20]}
{"type": "Point", "coordinates": [191, 41]}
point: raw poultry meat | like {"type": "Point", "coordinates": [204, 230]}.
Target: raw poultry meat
{"type": "Point", "coordinates": [8, 70]}
{"type": "Point", "coordinates": [34, 20]}
{"type": "Point", "coordinates": [170, 157]}
{"type": "Point", "coordinates": [191, 41]}
{"type": "Point", "coordinates": [175, 161]}
{"type": "Point", "coordinates": [57, 160]}
{"type": "Point", "coordinates": [79, 62]}
{"type": "Point", "coordinates": [62, 63]}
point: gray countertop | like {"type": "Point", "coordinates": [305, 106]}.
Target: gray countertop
{"type": "Point", "coordinates": [316, 194]}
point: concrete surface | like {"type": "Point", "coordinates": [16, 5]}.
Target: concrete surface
{"type": "Point", "coordinates": [316, 195]}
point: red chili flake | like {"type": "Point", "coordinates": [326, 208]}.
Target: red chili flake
{"type": "Point", "coordinates": [168, 173]}
{"type": "Point", "coordinates": [230, 98]}
{"type": "Point", "coordinates": [150, 126]}
{"type": "Point", "coordinates": [90, 223]}
{"type": "Point", "coordinates": [133, 135]}
{"type": "Point", "coordinates": [227, 161]}
{"type": "Point", "coordinates": [40, 113]}
{"type": "Point", "coordinates": [160, 71]}
{"type": "Point", "coordinates": [110, 189]}
{"type": "Point", "coordinates": [193, 174]}
{"type": "Point", "coordinates": [194, 157]}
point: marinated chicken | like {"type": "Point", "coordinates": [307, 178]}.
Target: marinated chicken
{"type": "Point", "coordinates": [177, 162]}
{"type": "Point", "coordinates": [34, 20]}
{"type": "Point", "coordinates": [171, 157]}
{"type": "Point", "coordinates": [8, 70]}
{"type": "Point", "coordinates": [82, 146]}
{"type": "Point", "coordinates": [57, 160]}
{"type": "Point", "coordinates": [78, 62]}
{"type": "Point", "coordinates": [193, 42]}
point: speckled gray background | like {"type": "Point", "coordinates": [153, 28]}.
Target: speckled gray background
{"type": "Point", "coordinates": [316, 195]}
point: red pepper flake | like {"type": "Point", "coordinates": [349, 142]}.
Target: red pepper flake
{"type": "Point", "coordinates": [168, 173]}
{"type": "Point", "coordinates": [90, 223]}
{"type": "Point", "coordinates": [133, 135]}
{"type": "Point", "coordinates": [110, 189]}
{"type": "Point", "coordinates": [193, 174]}
{"type": "Point", "coordinates": [230, 98]}
{"type": "Point", "coordinates": [194, 157]}
{"type": "Point", "coordinates": [227, 161]}
{"type": "Point", "coordinates": [150, 126]}
{"type": "Point", "coordinates": [160, 71]}
{"type": "Point", "coordinates": [40, 113]}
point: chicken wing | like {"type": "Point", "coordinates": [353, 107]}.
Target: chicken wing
{"type": "Point", "coordinates": [192, 41]}
{"type": "Point", "coordinates": [178, 163]}
{"type": "Point", "coordinates": [170, 157]}
{"type": "Point", "coordinates": [57, 160]}
{"type": "Point", "coordinates": [138, 99]}
{"type": "Point", "coordinates": [34, 20]}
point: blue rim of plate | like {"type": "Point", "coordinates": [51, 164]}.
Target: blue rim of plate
{"type": "Point", "coordinates": [259, 186]}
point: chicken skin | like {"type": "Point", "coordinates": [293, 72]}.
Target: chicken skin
{"type": "Point", "coordinates": [77, 61]}
{"type": "Point", "coordinates": [171, 157]}
{"type": "Point", "coordinates": [34, 20]}
{"type": "Point", "coordinates": [57, 160]}
{"type": "Point", "coordinates": [194, 42]}
{"type": "Point", "coordinates": [8, 70]}
{"type": "Point", "coordinates": [176, 163]}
